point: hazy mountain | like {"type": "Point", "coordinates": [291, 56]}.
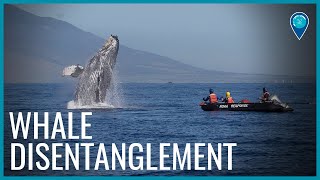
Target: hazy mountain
{"type": "Point", "coordinates": [37, 49]}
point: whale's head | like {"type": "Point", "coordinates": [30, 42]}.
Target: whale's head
{"type": "Point", "coordinates": [111, 43]}
{"type": "Point", "coordinates": [109, 51]}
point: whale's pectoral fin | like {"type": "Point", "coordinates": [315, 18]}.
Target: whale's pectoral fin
{"type": "Point", "coordinates": [73, 71]}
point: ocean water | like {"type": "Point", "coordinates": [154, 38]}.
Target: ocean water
{"type": "Point", "coordinates": [267, 143]}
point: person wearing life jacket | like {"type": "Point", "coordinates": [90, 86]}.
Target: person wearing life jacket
{"type": "Point", "coordinates": [265, 96]}
{"type": "Point", "coordinates": [228, 98]}
{"type": "Point", "coordinates": [212, 97]}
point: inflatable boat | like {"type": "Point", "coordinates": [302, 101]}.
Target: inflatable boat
{"type": "Point", "coordinates": [264, 107]}
{"type": "Point", "coordinates": [274, 105]}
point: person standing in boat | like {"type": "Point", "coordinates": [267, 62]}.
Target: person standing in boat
{"type": "Point", "coordinates": [265, 96]}
{"type": "Point", "coordinates": [212, 97]}
{"type": "Point", "coordinates": [228, 98]}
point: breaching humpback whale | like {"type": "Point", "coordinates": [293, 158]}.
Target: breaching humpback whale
{"type": "Point", "coordinates": [95, 78]}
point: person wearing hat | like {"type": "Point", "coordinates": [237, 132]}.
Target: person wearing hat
{"type": "Point", "coordinates": [212, 97]}
{"type": "Point", "coordinates": [265, 96]}
{"type": "Point", "coordinates": [228, 98]}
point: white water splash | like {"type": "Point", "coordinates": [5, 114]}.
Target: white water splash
{"type": "Point", "coordinates": [74, 105]}
{"type": "Point", "coordinates": [114, 95]}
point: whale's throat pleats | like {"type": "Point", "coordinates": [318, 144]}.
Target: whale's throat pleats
{"type": "Point", "coordinates": [97, 77]}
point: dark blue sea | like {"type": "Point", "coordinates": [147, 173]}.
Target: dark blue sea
{"type": "Point", "coordinates": [267, 143]}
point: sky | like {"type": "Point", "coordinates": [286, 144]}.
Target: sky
{"type": "Point", "coordinates": [254, 39]}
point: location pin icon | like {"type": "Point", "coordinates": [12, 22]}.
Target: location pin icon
{"type": "Point", "coordinates": [299, 22]}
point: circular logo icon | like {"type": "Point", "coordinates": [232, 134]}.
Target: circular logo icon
{"type": "Point", "coordinates": [299, 21]}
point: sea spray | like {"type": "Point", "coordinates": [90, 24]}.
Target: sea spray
{"type": "Point", "coordinates": [114, 96]}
